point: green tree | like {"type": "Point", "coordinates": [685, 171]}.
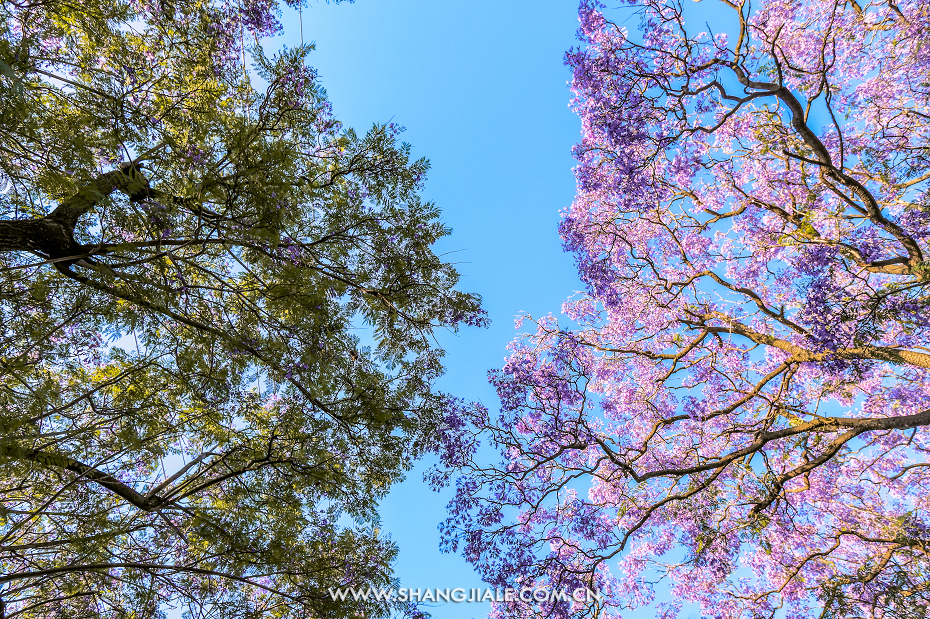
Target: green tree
{"type": "Point", "coordinates": [187, 413]}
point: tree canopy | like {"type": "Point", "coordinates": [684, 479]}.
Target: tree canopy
{"type": "Point", "coordinates": [217, 308]}
{"type": "Point", "coordinates": [735, 414]}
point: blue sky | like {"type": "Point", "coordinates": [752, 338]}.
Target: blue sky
{"type": "Point", "coordinates": [481, 88]}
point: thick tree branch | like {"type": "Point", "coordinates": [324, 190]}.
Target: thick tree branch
{"type": "Point", "coordinates": [818, 425]}
{"type": "Point", "coordinates": [53, 235]}
{"type": "Point", "coordinates": [799, 354]}
{"type": "Point", "coordinates": [146, 503]}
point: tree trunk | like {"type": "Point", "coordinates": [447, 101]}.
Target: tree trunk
{"type": "Point", "coordinates": [45, 236]}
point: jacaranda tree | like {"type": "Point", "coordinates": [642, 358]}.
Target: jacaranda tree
{"type": "Point", "coordinates": [216, 309]}
{"type": "Point", "coordinates": [736, 416]}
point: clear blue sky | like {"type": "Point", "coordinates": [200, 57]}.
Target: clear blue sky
{"type": "Point", "coordinates": [481, 88]}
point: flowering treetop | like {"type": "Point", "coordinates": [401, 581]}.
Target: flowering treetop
{"type": "Point", "coordinates": [740, 407]}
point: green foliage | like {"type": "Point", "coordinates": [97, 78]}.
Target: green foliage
{"type": "Point", "coordinates": [216, 308]}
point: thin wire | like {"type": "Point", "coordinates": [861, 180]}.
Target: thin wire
{"type": "Point", "coordinates": [245, 68]}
